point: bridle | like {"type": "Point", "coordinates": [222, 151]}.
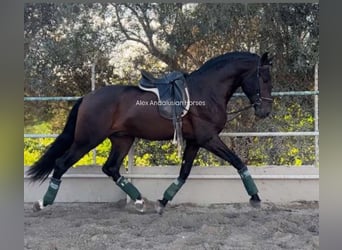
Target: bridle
{"type": "Point", "coordinates": [258, 100]}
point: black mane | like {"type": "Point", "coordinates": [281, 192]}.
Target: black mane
{"type": "Point", "coordinates": [224, 59]}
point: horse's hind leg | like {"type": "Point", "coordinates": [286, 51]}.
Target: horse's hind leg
{"type": "Point", "coordinates": [120, 148]}
{"type": "Point", "coordinates": [216, 146]}
{"type": "Point", "coordinates": [75, 153]}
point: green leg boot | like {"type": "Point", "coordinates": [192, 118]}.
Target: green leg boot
{"type": "Point", "coordinates": [248, 181]}
{"type": "Point", "coordinates": [172, 190]}
{"type": "Point", "coordinates": [52, 191]}
{"type": "Point", "coordinates": [128, 188]}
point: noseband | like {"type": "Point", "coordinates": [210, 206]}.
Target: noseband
{"type": "Point", "coordinates": [260, 99]}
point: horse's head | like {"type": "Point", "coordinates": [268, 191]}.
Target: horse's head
{"type": "Point", "coordinates": [258, 87]}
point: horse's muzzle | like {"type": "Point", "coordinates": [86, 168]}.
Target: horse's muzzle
{"type": "Point", "coordinates": [262, 112]}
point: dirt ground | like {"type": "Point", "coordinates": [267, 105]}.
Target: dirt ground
{"type": "Point", "coordinates": [186, 226]}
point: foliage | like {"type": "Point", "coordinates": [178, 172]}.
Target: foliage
{"type": "Point", "coordinates": [62, 41]}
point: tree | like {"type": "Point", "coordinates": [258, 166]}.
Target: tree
{"type": "Point", "coordinates": [61, 43]}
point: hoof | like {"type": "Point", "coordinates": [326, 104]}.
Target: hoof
{"type": "Point", "coordinates": [255, 201]}
{"type": "Point", "coordinates": [159, 207]}
{"type": "Point", "coordinates": [37, 206]}
{"type": "Point", "coordinates": [140, 205]}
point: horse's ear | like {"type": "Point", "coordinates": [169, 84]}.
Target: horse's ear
{"type": "Point", "coordinates": [265, 60]}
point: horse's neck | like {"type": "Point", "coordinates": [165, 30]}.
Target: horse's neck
{"type": "Point", "coordinates": [230, 92]}
{"type": "Point", "coordinates": [213, 88]}
{"type": "Point", "coordinates": [235, 81]}
{"type": "Point", "coordinates": [220, 85]}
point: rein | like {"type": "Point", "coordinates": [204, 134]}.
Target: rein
{"type": "Point", "coordinates": [238, 112]}
{"type": "Point", "coordinates": [258, 102]}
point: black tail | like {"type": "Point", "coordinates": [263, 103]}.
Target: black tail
{"type": "Point", "coordinates": [44, 166]}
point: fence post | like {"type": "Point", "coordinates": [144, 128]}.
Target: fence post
{"type": "Point", "coordinates": [130, 166]}
{"type": "Point", "coordinates": [316, 118]}
{"type": "Point", "coordinates": [93, 79]}
{"type": "Point", "coordinates": [130, 159]}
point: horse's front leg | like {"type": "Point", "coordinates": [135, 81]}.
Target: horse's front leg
{"type": "Point", "coordinates": [216, 146]}
{"type": "Point", "coordinates": [189, 155]}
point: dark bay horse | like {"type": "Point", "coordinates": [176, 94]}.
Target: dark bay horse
{"type": "Point", "coordinates": [113, 112]}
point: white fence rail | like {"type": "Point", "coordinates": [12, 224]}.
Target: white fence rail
{"type": "Point", "coordinates": [74, 98]}
{"type": "Point", "coordinates": [314, 133]}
